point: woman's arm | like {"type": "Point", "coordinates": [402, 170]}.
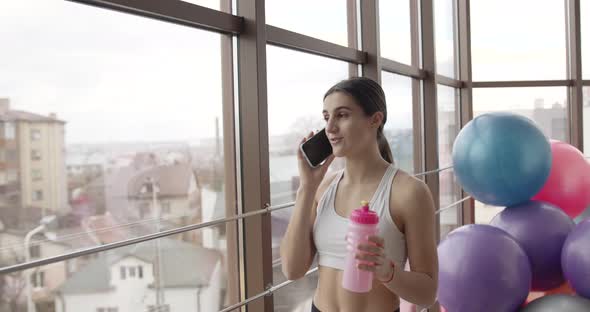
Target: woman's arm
{"type": "Point", "coordinates": [419, 285]}
{"type": "Point", "coordinates": [297, 246]}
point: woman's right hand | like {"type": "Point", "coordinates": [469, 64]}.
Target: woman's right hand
{"type": "Point", "coordinates": [311, 177]}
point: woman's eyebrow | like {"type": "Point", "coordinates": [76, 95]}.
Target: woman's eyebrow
{"type": "Point", "coordinates": [338, 108]}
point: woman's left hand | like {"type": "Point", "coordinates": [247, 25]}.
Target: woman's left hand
{"type": "Point", "coordinates": [373, 252]}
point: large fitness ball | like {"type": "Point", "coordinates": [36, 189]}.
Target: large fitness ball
{"type": "Point", "coordinates": [541, 229]}
{"type": "Point", "coordinates": [482, 268]}
{"type": "Point", "coordinates": [575, 258]}
{"type": "Point", "coordinates": [569, 180]}
{"type": "Point", "coordinates": [501, 159]}
{"type": "Point", "coordinates": [558, 303]}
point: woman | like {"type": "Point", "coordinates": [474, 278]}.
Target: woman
{"type": "Point", "coordinates": [355, 112]}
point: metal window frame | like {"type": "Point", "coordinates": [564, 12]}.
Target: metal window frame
{"type": "Point", "coordinates": [430, 111]}
{"type": "Point", "coordinates": [254, 156]}
{"type": "Point", "coordinates": [288, 39]}
{"type": "Point", "coordinates": [575, 105]}
{"type": "Point", "coordinates": [230, 166]}
{"type": "Point", "coordinates": [175, 11]}
{"type": "Point", "coordinates": [466, 92]}
{"type": "Point", "coordinates": [246, 176]}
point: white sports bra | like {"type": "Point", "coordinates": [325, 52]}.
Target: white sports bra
{"type": "Point", "coordinates": [330, 228]}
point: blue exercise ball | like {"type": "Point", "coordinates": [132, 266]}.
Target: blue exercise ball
{"type": "Point", "coordinates": [501, 159]}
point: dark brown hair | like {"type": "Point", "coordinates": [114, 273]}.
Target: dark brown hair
{"type": "Point", "coordinates": [370, 97]}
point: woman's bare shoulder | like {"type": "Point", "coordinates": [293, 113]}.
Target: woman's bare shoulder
{"type": "Point", "coordinates": [409, 191]}
{"type": "Point", "coordinates": [328, 178]}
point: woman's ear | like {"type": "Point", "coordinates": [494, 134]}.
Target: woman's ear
{"type": "Point", "coordinates": [377, 119]}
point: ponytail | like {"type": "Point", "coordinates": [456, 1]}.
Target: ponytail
{"type": "Point", "coordinates": [384, 148]}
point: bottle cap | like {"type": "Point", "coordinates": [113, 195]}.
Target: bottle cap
{"type": "Point", "coordinates": [364, 215]}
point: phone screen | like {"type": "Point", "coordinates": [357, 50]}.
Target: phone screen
{"type": "Point", "coordinates": [317, 148]}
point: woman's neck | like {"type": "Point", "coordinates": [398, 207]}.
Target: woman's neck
{"type": "Point", "coordinates": [365, 167]}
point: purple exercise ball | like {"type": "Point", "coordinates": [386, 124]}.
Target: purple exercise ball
{"type": "Point", "coordinates": [575, 258]}
{"type": "Point", "coordinates": [541, 229]}
{"type": "Point", "coordinates": [482, 268]}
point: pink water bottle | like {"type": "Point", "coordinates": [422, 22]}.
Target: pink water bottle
{"type": "Point", "coordinates": [361, 224]}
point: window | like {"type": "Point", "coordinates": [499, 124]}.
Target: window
{"type": "Point", "coordinates": [9, 131]}
{"type": "Point", "coordinates": [518, 40]}
{"type": "Point", "coordinates": [585, 26]}
{"type": "Point", "coordinates": [112, 310]}
{"type": "Point", "coordinates": [293, 115]}
{"type": "Point", "coordinates": [165, 207]}
{"type": "Point", "coordinates": [123, 272]}
{"type": "Point", "coordinates": [35, 154]}
{"type": "Point", "coordinates": [546, 106]}
{"type": "Point", "coordinates": [11, 155]}
{"type": "Point", "coordinates": [324, 20]}
{"type": "Point", "coordinates": [394, 30]}
{"type": "Point", "coordinates": [36, 174]}
{"type": "Point", "coordinates": [543, 105]}
{"type": "Point", "coordinates": [140, 271]}
{"type": "Point", "coordinates": [100, 310]}
{"type": "Point", "coordinates": [37, 195]}
{"type": "Point", "coordinates": [35, 251]}
{"type": "Point", "coordinates": [35, 135]}
{"type": "Point", "coordinates": [11, 175]}
{"type": "Point", "coordinates": [445, 32]}
{"type": "Point", "coordinates": [38, 279]}
{"type": "Point", "coordinates": [448, 128]}
{"type": "Point", "coordinates": [131, 272]}
{"type": "Point", "coordinates": [399, 125]}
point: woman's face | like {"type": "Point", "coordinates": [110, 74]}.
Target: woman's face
{"type": "Point", "coordinates": [348, 128]}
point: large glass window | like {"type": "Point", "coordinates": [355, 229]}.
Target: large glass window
{"type": "Point", "coordinates": [394, 30]}
{"type": "Point", "coordinates": [546, 106]}
{"type": "Point", "coordinates": [399, 125]}
{"type": "Point", "coordinates": [518, 40]}
{"type": "Point", "coordinates": [448, 128]}
{"type": "Point", "coordinates": [585, 25]}
{"type": "Point", "coordinates": [295, 103]}
{"type": "Point", "coordinates": [167, 274]}
{"type": "Point", "coordinates": [324, 20]}
{"type": "Point", "coordinates": [445, 32]}
{"type": "Point", "coordinates": [127, 113]}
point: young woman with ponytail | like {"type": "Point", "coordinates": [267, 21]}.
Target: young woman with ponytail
{"type": "Point", "coordinates": [355, 113]}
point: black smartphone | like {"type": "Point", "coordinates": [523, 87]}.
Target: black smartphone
{"type": "Point", "coordinates": [316, 149]}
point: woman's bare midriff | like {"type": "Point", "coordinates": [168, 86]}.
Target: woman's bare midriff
{"type": "Point", "coordinates": [331, 297]}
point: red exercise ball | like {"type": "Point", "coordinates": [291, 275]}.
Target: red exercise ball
{"type": "Point", "coordinates": [569, 180]}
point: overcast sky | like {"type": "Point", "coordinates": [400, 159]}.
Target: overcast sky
{"type": "Point", "coordinates": [117, 77]}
